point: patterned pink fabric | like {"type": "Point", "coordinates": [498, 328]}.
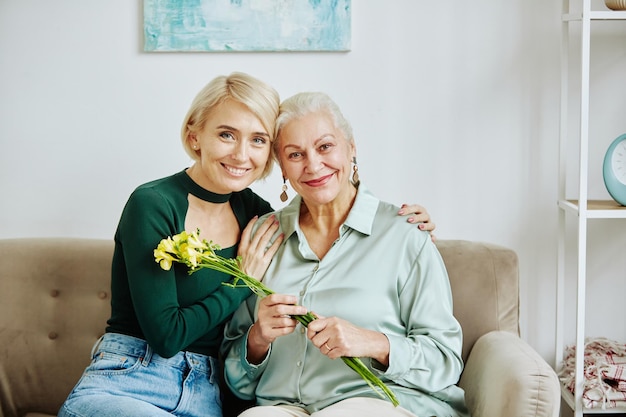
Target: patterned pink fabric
{"type": "Point", "coordinates": [604, 372]}
{"type": "Point", "coordinates": [615, 374]}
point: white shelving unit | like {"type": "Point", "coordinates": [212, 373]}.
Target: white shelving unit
{"type": "Point", "coordinates": [581, 207]}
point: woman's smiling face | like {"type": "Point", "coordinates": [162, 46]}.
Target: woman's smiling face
{"type": "Point", "coordinates": [315, 157]}
{"type": "Point", "coordinates": [234, 148]}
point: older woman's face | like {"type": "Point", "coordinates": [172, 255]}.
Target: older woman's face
{"type": "Point", "coordinates": [316, 157]}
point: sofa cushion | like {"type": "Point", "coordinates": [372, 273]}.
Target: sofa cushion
{"type": "Point", "coordinates": [485, 287]}
{"type": "Point", "coordinates": [53, 307]}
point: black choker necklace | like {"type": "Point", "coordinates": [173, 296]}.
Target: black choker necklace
{"type": "Point", "coordinates": [203, 193]}
{"type": "Point", "coordinates": [212, 197]}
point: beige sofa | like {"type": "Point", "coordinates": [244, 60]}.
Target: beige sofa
{"type": "Point", "coordinates": [54, 302]}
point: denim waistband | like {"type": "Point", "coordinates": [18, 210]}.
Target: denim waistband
{"type": "Point", "coordinates": [139, 348]}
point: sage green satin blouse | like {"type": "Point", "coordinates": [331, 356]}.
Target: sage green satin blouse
{"type": "Point", "coordinates": [383, 274]}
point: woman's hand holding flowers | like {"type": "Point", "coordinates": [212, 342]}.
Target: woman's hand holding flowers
{"type": "Point", "coordinates": [336, 337]}
{"type": "Point", "coordinates": [274, 319]}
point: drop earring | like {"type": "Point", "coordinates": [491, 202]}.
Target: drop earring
{"type": "Point", "coordinates": [283, 195]}
{"type": "Point", "coordinates": [355, 172]}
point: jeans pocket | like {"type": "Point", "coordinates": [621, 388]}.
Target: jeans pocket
{"type": "Point", "coordinates": [112, 363]}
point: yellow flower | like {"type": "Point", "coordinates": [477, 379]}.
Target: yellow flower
{"type": "Point", "coordinates": [194, 241]}
{"type": "Point", "coordinates": [167, 245]}
{"type": "Point", "coordinates": [181, 237]}
{"type": "Point", "coordinates": [164, 252]}
{"type": "Point", "coordinates": [163, 258]}
{"type": "Point", "coordinates": [191, 255]}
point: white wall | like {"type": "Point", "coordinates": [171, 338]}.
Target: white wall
{"type": "Point", "coordinates": [454, 105]}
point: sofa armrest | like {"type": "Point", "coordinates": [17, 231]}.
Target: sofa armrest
{"type": "Point", "coordinates": [504, 376]}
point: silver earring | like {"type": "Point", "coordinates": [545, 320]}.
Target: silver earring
{"type": "Point", "coordinates": [283, 195]}
{"type": "Point", "coordinates": [355, 172]}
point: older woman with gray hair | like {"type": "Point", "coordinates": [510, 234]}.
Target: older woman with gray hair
{"type": "Point", "coordinates": [378, 286]}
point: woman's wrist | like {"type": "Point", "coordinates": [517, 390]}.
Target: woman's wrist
{"type": "Point", "coordinates": [382, 348]}
{"type": "Point", "coordinates": [257, 347]}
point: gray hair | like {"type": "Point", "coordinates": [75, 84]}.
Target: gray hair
{"type": "Point", "coordinates": [301, 104]}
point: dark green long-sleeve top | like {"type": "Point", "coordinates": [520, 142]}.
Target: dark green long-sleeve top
{"type": "Point", "coordinates": [172, 310]}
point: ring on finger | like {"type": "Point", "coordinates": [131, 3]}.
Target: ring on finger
{"type": "Point", "coordinates": [327, 347]}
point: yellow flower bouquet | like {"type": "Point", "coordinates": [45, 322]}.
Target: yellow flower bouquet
{"type": "Point", "coordinates": [188, 249]}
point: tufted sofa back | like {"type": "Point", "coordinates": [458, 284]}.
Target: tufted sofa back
{"type": "Point", "coordinates": [54, 303]}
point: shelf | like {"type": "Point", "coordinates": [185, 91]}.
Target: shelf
{"type": "Point", "coordinates": [582, 206]}
{"type": "Point", "coordinates": [569, 399]}
{"type": "Point", "coordinates": [596, 209]}
{"type": "Point", "coordinates": [596, 15]}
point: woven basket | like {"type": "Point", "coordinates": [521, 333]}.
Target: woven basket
{"type": "Point", "coordinates": [615, 4]}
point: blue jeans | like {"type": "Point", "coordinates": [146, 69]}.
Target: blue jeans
{"type": "Point", "coordinates": [126, 378]}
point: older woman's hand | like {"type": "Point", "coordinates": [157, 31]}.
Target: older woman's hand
{"type": "Point", "coordinates": [418, 215]}
{"type": "Point", "coordinates": [336, 337]}
{"type": "Point", "coordinates": [273, 320]}
{"type": "Point", "coordinates": [255, 253]}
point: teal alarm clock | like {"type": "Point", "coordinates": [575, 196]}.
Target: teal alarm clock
{"type": "Point", "coordinates": [614, 170]}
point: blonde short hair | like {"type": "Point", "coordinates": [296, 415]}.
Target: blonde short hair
{"type": "Point", "coordinates": [260, 98]}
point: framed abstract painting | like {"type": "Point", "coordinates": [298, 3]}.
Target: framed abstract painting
{"type": "Point", "coordinates": [246, 25]}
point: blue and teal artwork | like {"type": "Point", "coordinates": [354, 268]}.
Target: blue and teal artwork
{"type": "Point", "coordinates": [246, 25]}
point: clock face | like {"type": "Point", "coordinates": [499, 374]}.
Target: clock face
{"type": "Point", "coordinates": [618, 161]}
{"type": "Point", "coordinates": [614, 169]}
